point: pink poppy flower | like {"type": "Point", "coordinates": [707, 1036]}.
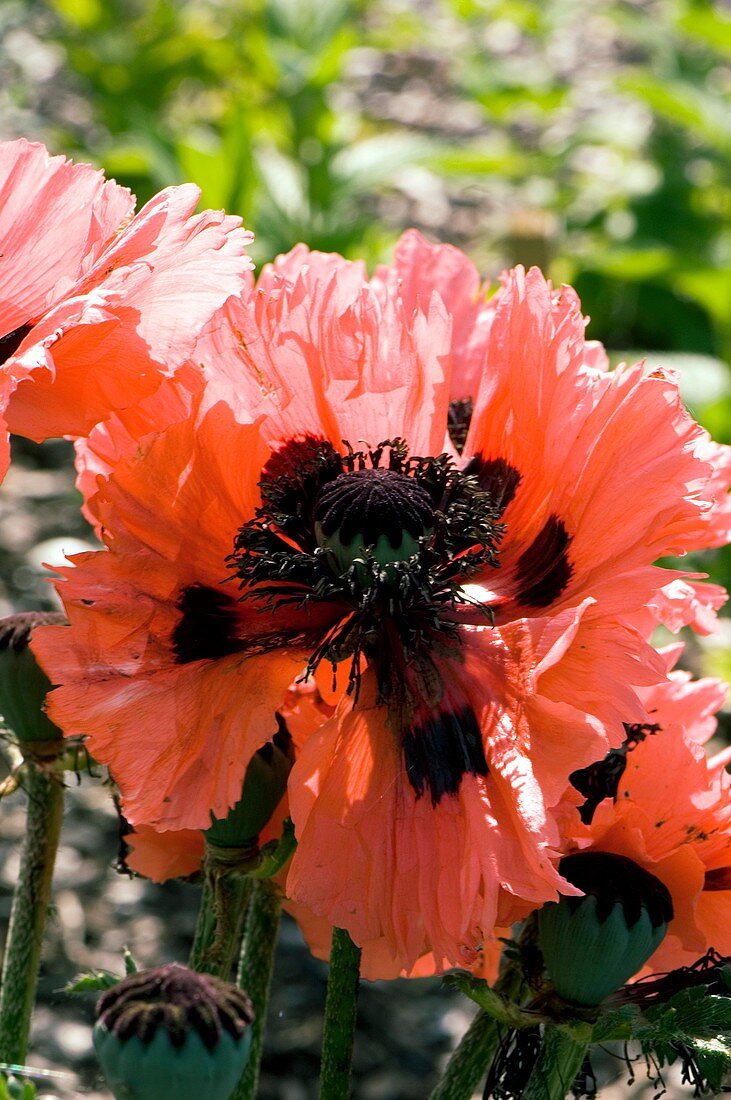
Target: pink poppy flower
{"type": "Point", "coordinates": [480, 610]}
{"type": "Point", "coordinates": [97, 305]}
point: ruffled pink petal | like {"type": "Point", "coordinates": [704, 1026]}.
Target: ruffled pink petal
{"type": "Point", "coordinates": [55, 219]}
{"type": "Point", "coordinates": [686, 600]}
{"type": "Point", "coordinates": [185, 494]}
{"type": "Point", "coordinates": [426, 877]}
{"type": "Point", "coordinates": [119, 438]}
{"type": "Point", "coordinates": [317, 351]}
{"type": "Point", "coordinates": [682, 701]}
{"type": "Point", "coordinates": [178, 741]}
{"type": "Point", "coordinates": [420, 270]}
{"type": "Point", "coordinates": [620, 476]}
{"type": "Point", "coordinates": [134, 317]}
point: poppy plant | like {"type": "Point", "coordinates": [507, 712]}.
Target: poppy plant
{"type": "Point", "coordinates": [472, 617]}
{"type": "Point", "coordinates": [98, 304]}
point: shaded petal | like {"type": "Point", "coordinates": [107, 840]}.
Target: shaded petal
{"type": "Point", "coordinates": [178, 741]}
{"type": "Point", "coordinates": [162, 856]}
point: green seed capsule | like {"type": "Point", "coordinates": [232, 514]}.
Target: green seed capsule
{"type": "Point", "coordinates": [172, 1032]}
{"type": "Point", "coordinates": [592, 944]}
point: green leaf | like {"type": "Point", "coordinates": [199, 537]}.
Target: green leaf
{"type": "Point", "coordinates": [97, 981]}
{"type": "Point", "coordinates": [617, 1025]}
{"type": "Point", "coordinates": [714, 1060]}
{"type": "Point", "coordinates": [690, 1014]}
{"type": "Point", "coordinates": [130, 966]}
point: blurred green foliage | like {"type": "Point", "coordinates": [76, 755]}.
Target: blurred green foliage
{"type": "Point", "coordinates": [600, 136]}
{"type": "Point", "coordinates": [236, 97]}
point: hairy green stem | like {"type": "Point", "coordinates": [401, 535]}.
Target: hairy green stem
{"type": "Point", "coordinates": [30, 906]}
{"type": "Point", "coordinates": [559, 1060]}
{"type": "Point", "coordinates": [223, 907]}
{"type": "Point", "coordinates": [340, 1014]}
{"type": "Point", "coordinates": [255, 972]}
{"type": "Point", "coordinates": [473, 1056]}
{"type": "Point", "coordinates": [470, 1061]}
{"type": "Point", "coordinates": [205, 928]}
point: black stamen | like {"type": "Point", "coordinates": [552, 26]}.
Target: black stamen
{"type": "Point", "coordinates": [544, 568]}
{"type": "Point", "coordinates": [496, 477]}
{"type": "Point", "coordinates": [291, 481]}
{"type": "Point", "coordinates": [390, 610]}
{"type": "Point", "coordinates": [441, 749]}
{"type": "Point", "coordinates": [10, 343]}
{"type": "Point", "coordinates": [208, 625]}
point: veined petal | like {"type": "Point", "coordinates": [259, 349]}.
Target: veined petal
{"type": "Point", "coordinates": [196, 728]}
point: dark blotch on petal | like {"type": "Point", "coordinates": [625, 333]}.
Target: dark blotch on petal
{"type": "Point", "coordinates": [458, 422]}
{"type": "Point", "coordinates": [281, 740]}
{"type": "Point", "coordinates": [496, 477]}
{"type": "Point", "coordinates": [601, 779]}
{"type": "Point", "coordinates": [442, 748]}
{"type": "Point", "coordinates": [9, 344]}
{"type": "Point", "coordinates": [544, 568]}
{"type": "Point", "coordinates": [208, 626]}
{"type": "Point", "coordinates": [718, 879]}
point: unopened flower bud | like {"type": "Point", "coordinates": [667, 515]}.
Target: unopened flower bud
{"type": "Point", "coordinates": [592, 944]}
{"type": "Point", "coordinates": [23, 684]}
{"type": "Point", "coordinates": [173, 1032]}
{"type": "Point", "coordinates": [264, 785]}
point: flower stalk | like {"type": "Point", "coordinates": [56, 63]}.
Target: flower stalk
{"type": "Point", "coordinates": [559, 1061]}
{"type": "Point", "coordinates": [255, 972]}
{"type": "Point", "coordinates": [44, 786]}
{"type": "Point", "coordinates": [340, 1016]}
{"type": "Point", "coordinates": [469, 1062]}
{"type": "Point", "coordinates": [224, 902]}
{"type": "Point", "coordinates": [471, 1059]}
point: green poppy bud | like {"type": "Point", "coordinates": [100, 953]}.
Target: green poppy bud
{"type": "Point", "coordinates": [23, 684]}
{"type": "Point", "coordinates": [173, 1032]}
{"type": "Point", "coordinates": [592, 944]}
{"type": "Point", "coordinates": [264, 785]}
{"type": "Point", "coordinates": [372, 511]}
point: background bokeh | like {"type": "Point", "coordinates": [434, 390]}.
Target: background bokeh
{"type": "Point", "coordinates": [592, 137]}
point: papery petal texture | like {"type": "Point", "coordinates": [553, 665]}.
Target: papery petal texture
{"type": "Point", "coordinates": [499, 646]}
{"type": "Point", "coordinates": [98, 305]}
